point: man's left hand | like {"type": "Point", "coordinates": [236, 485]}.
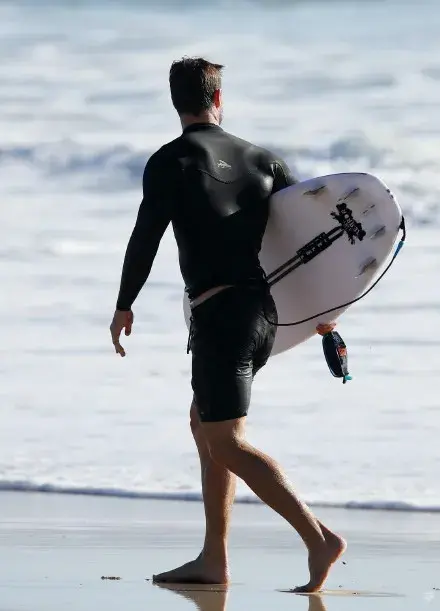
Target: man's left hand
{"type": "Point", "coordinates": [323, 329]}
{"type": "Point", "coordinates": [121, 320]}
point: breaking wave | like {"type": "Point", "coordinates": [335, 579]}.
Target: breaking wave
{"type": "Point", "coordinates": [117, 168]}
{"type": "Point", "coordinates": [192, 496]}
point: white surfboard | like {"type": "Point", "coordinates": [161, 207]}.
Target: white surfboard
{"type": "Point", "coordinates": [326, 241]}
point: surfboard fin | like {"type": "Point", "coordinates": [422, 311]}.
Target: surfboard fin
{"type": "Point", "coordinates": [316, 191]}
{"type": "Point", "coordinates": [369, 264]}
{"type": "Point", "coordinates": [378, 233]}
{"type": "Point", "coordinates": [351, 193]}
{"type": "Point", "coordinates": [335, 352]}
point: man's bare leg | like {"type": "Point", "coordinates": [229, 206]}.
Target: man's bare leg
{"type": "Point", "coordinates": [218, 488]}
{"type": "Point", "coordinates": [228, 447]}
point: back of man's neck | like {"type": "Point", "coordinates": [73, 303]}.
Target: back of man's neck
{"type": "Point", "coordinates": [203, 118]}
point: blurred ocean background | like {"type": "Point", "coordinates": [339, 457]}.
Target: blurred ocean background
{"type": "Point", "coordinates": [84, 100]}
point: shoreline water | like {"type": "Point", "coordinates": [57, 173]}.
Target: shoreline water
{"type": "Point", "coordinates": [84, 102]}
{"type": "Point", "coordinates": [196, 497]}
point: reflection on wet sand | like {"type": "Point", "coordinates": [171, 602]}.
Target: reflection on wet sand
{"type": "Point", "coordinates": [204, 597]}
{"type": "Point", "coordinates": [214, 597]}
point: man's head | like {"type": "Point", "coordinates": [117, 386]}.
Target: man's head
{"type": "Point", "coordinates": [195, 85]}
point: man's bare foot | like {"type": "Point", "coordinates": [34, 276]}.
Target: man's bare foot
{"type": "Point", "coordinates": [197, 571]}
{"type": "Point", "coordinates": [321, 561]}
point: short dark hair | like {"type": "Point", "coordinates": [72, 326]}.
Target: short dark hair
{"type": "Point", "coordinates": [193, 82]}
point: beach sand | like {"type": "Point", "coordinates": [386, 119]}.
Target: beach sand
{"type": "Point", "coordinates": [55, 549]}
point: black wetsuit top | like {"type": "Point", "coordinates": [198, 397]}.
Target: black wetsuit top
{"type": "Point", "coordinates": [214, 188]}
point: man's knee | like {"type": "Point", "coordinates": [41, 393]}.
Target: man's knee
{"type": "Point", "coordinates": [224, 440]}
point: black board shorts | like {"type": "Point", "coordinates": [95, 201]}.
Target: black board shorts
{"type": "Point", "coordinates": [231, 340]}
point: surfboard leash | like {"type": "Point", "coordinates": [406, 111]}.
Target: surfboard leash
{"type": "Point", "coordinates": [335, 350]}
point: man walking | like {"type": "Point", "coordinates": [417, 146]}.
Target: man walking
{"type": "Point", "coordinates": [214, 189]}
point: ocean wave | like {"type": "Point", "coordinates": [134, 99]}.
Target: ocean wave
{"type": "Point", "coordinates": [65, 158]}
{"type": "Point", "coordinates": [119, 165]}
{"type": "Point", "coordinates": [192, 496]}
{"type": "Point", "coordinates": [118, 168]}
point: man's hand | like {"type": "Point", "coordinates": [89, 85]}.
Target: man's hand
{"type": "Point", "coordinates": [121, 320]}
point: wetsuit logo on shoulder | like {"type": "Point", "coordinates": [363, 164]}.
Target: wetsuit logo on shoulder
{"type": "Point", "coordinates": [352, 228]}
{"type": "Point", "coordinates": [222, 164]}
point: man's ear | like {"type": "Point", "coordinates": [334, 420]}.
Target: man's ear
{"type": "Point", "coordinates": [217, 99]}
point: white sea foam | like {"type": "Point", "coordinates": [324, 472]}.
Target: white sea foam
{"type": "Point", "coordinates": [83, 104]}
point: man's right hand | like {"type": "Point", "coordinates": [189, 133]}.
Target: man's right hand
{"type": "Point", "coordinates": [121, 320]}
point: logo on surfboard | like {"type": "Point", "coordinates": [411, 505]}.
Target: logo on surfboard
{"type": "Point", "coordinates": [352, 228]}
{"type": "Point", "coordinates": [347, 225]}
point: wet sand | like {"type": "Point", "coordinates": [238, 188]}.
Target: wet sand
{"type": "Point", "coordinates": [55, 549]}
